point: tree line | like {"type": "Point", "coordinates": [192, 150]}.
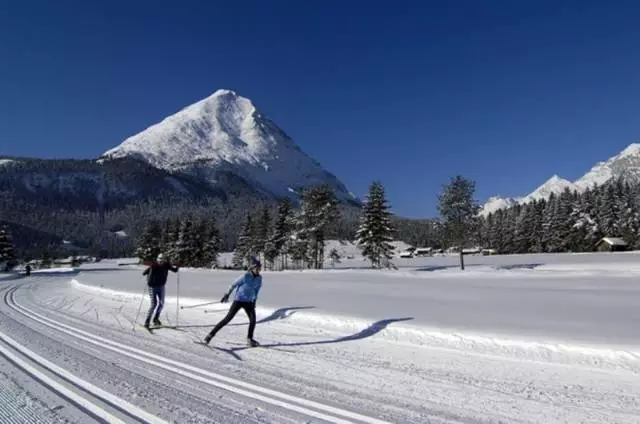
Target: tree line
{"type": "Point", "coordinates": [566, 222]}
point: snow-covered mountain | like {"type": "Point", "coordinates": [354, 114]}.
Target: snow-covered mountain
{"type": "Point", "coordinates": [226, 133]}
{"type": "Point", "coordinates": [626, 164]}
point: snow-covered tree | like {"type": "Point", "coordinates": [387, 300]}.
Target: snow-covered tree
{"type": "Point", "coordinates": [186, 247]}
{"type": "Point", "coordinates": [148, 245]}
{"type": "Point", "coordinates": [7, 250]}
{"type": "Point", "coordinates": [245, 245]}
{"type": "Point", "coordinates": [458, 212]}
{"type": "Point", "coordinates": [319, 209]}
{"type": "Point", "coordinates": [211, 245]}
{"type": "Point", "coordinates": [375, 233]}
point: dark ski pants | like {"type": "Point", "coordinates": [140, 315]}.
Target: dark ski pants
{"type": "Point", "coordinates": [156, 295]}
{"type": "Point", "coordinates": [249, 308]}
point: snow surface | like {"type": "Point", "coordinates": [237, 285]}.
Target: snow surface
{"type": "Point", "coordinates": [6, 161]}
{"type": "Point", "coordinates": [626, 163]}
{"type": "Point", "coordinates": [522, 338]}
{"type": "Point", "coordinates": [225, 132]}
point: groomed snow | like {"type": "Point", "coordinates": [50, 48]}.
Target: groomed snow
{"type": "Point", "coordinates": [528, 339]}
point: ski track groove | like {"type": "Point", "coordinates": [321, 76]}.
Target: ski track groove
{"type": "Point", "coordinates": [81, 402]}
{"type": "Point", "coordinates": [269, 396]}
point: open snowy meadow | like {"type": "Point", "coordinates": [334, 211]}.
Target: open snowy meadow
{"type": "Point", "coordinates": [512, 339]}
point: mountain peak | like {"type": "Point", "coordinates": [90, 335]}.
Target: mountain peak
{"type": "Point", "coordinates": [625, 164]}
{"type": "Point", "coordinates": [632, 150]}
{"type": "Point", "coordinates": [226, 132]}
{"type": "Point", "coordinates": [224, 92]}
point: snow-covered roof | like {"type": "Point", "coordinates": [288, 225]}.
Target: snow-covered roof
{"type": "Point", "coordinates": [614, 241]}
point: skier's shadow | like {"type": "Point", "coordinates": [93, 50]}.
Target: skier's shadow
{"type": "Point", "coordinates": [371, 330]}
{"type": "Point", "coordinates": [281, 313]}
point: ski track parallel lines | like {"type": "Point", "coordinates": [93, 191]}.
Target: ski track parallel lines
{"type": "Point", "coordinates": [116, 402]}
{"type": "Point", "coordinates": [266, 395]}
{"type": "Point", "coordinates": [76, 399]}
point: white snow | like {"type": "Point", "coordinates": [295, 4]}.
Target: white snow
{"type": "Point", "coordinates": [6, 161]}
{"type": "Point", "coordinates": [225, 132]}
{"type": "Point", "coordinates": [522, 338]}
{"type": "Point", "coordinates": [121, 234]}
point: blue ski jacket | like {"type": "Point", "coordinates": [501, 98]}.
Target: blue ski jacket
{"type": "Point", "coordinates": [247, 287]}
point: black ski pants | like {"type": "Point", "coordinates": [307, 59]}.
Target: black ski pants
{"type": "Point", "coordinates": [249, 308]}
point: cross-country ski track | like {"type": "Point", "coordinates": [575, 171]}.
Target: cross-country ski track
{"type": "Point", "coordinates": [70, 352]}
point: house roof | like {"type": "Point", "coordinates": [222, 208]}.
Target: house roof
{"type": "Point", "coordinates": [614, 241]}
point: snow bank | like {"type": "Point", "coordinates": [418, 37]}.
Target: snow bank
{"type": "Point", "coordinates": [399, 330]}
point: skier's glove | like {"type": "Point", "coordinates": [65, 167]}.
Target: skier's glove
{"type": "Point", "coordinates": [225, 298]}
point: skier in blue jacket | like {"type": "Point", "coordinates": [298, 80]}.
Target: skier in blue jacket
{"type": "Point", "coordinates": [247, 288]}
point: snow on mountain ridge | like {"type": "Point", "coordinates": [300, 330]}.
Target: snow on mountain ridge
{"type": "Point", "coordinates": [226, 132]}
{"type": "Point", "coordinates": [626, 164]}
{"type": "Point", "coordinates": [554, 184]}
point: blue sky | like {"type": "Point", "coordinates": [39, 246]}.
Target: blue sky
{"type": "Point", "coordinates": [408, 92]}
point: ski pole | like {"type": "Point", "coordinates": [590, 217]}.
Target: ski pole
{"type": "Point", "coordinates": [178, 301]}
{"type": "Point", "coordinates": [144, 291]}
{"type": "Point", "coordinates": [199, 304]}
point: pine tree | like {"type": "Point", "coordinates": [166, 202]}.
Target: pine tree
{"type": "Point", "coordinates": [375, 233]}
{"type": "Point", "coordinates": [7, 250]}
{"type": "Point", "coordinates": [171, 238]}
{"type": "Point", "coordinates": [458, 211]}
{"type": "Point", "coordinates": [524, 228]}
{"type": "Point", "coordinates": [244, 246]}
{"type": "Point", "coordinates": [148, 245]}
{"type": "Point", "coordinates": [281, 233]}
{"type": "Point", "coordinates": [185, 252]}
{"type": "Point", "coordinates": [318, 211]}
{"type": "Point", "coordinates": [262, 230]}
{"type": "Point", "coordinates": [211, 247]}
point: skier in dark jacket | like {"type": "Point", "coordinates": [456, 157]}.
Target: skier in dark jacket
{"type": "Point", "coordinates": [156, 280]}
{"type": "Point", "coordinates": [247, 288]}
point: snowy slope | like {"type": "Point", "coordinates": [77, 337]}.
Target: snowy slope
{"type": "Point", "coordinates": [496, 203]}
{"type": "Point", "coordinates": [554, 184]}
{"type": "Point", "coordinates": [626, 164]}
{"type": "Point", "coordinates": [225, 132]}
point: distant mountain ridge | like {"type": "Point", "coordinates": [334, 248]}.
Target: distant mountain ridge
{"type": "Point", "coordinates": [625, 165]}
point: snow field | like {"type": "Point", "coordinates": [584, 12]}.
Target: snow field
{"type": "Point", "coordinates": [353, 339]}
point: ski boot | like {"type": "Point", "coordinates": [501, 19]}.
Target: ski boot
{"type": "Point", "coordinates": [252, 343]}
{"type": "Point", "coordinates": [157, 323]}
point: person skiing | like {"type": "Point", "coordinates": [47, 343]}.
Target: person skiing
{"type": "Point", "coordinates": [156, 280]}
{"type": "Point", "coordinates": [247, 288]}
{"type": "Point", "coordinates": [27, 270]}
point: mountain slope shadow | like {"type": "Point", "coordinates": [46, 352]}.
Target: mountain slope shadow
{"type": "Point", "coordinates": [371, 330]}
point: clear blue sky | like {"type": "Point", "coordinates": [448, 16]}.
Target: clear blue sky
{"type": "Point", "coordinates": [409, 92]}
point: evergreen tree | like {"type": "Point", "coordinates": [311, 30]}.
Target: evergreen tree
{"type": "Point", "coordinates": [211, 247]}
{"type": "Point", "coordinates": [375, 233]}
{"type": "Point", "coordinates": [458, 211]}
{"type": "Point", "coordinates": [148, 245]}
{"type": "Point", "coordinates": [262, 230]}
{"type": "Point", "coordinates": [244, 246]}
{"type": "Point", "coordinates": [282, 230]}
{"type": "Point", "coordinates": [318, 211]}
{"type": "Point", "coordinates": [524, 228]}
{"type": "Point", "coordinates": [7, 250]}
{"type": "Point", "coordinates": [185, 251]}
